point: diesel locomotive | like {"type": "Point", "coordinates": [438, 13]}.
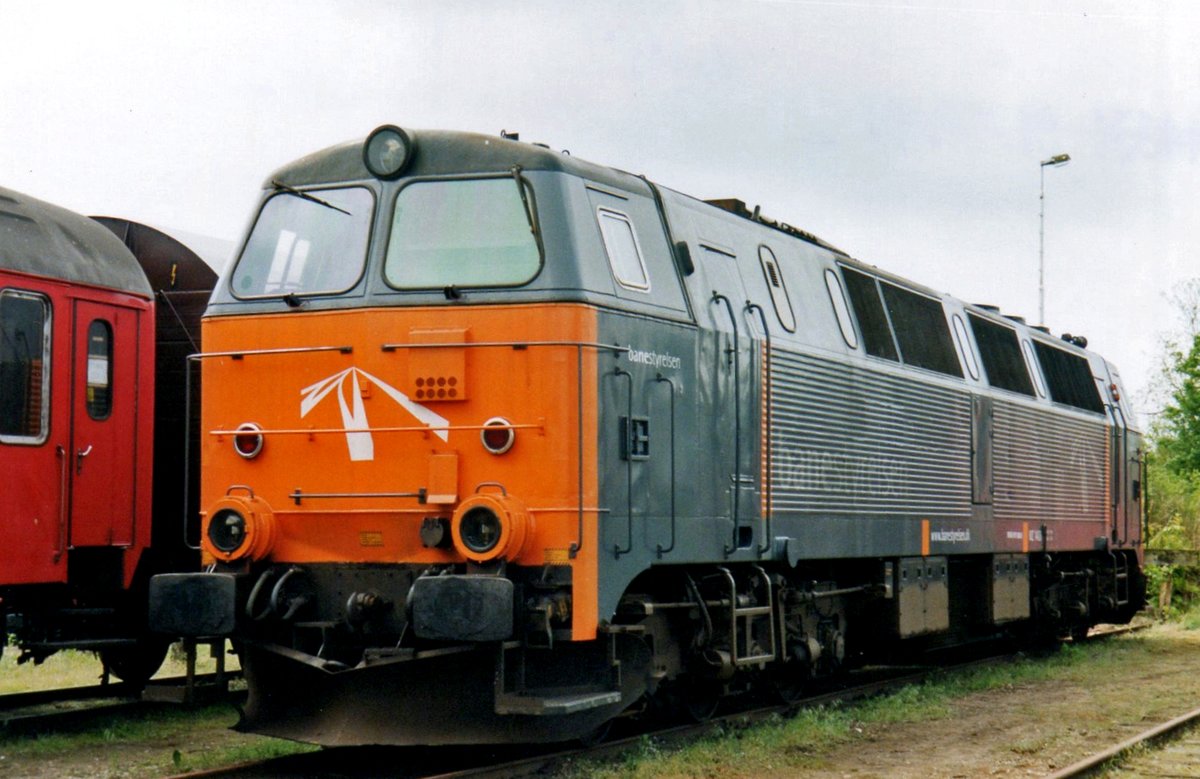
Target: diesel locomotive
{"type": "Point", "coordinates": [97, 318]}
{"type": "Point", "coordinates": [498, 444]}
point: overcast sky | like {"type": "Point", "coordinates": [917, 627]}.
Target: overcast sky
{"type": "Point", "coordinates": [907, 132]}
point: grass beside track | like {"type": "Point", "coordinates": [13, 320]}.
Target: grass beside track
{"type": "Point", "coordinates": [148, 743]}
{"type": "Point", "coordinates": [832, 740]}
{"type": "Point", "coordinates": [79, 669]}
{"type": "Point", "coordinates": [1020, 719]}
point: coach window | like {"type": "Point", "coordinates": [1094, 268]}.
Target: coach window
{"type": "Point", "coordinates": [463, 233]}
{"type": "Point", "coordinates": [99, 370]}
{"type": "Point", "coordinates": [922, 334]}
{"type": "Point", "coordinates": [1068, 378]}
{"type": "Point", "coordinates": [1001, 355]}
{"type": "Point", "coordinates": [872, 319]}
{"type": "Point", "coordinates": [24, 367]}
{"type": "Point", "coordinates": [306, 243]}
{"type": "Point", "coordinates": [964, 346]}
{"type": "Point", "coordinates": [621, 246]}
{"type": "Point", "coordinates": [779, 293]}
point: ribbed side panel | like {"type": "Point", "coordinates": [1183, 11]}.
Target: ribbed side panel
{"type": "Point", "coordinates": [1048, 467]}
{"type": "Point", "coordinates": [851, 441]}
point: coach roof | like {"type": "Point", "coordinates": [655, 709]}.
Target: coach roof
{"type": "Point", "coordinates": [45, 240]}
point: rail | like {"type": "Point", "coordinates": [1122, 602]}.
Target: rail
{"type": "Point", "coordinates": [1093, 763]}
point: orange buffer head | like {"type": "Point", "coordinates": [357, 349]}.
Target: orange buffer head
{"type": "Point", "coordinates": [488, 527]}
{"type": "Point", "coordinates": [238, 527]}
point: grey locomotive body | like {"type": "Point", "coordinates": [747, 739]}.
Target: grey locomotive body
{"type": "Point", "coordinates": [723, 453]}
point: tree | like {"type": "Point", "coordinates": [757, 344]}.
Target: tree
{"type": "Point", "coordinates": [1179, 436]}
{"type": "Point", "coordinates": [1173, 442]}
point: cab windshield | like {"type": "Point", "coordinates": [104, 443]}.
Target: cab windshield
{"type": "Point", "coordinates": [462, 233]}
{"type": "Point", "coordinates": [305, 243]}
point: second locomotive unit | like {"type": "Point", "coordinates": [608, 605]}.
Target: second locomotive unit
{"type": "Point", "coordinates": [499, 444]}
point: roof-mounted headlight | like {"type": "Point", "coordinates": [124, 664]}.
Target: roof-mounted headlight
{"type": "Point", "coordinates": [387, 151]}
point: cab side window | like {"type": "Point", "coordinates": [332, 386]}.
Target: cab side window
{"type": "Point", "coordinates": [621, 246]}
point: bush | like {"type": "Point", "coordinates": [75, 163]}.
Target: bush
{"type": "Point", "coordinates": [1184, 581]}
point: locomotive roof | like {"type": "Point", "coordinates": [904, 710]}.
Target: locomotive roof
{"type": "Point", "coordinates": [457, 152]}
{"type": "Point", "coordinates": [46, 240]}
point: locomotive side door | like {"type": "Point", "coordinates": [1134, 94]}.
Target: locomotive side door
{"type": "Point", "coordinates": [104, 397]}
{"type": "Point", "coordinates": [727, 390]}
{"type": "Point", "coordinates": [1120, 458]}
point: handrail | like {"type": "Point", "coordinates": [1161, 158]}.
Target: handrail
{"type": "Point", "coordinates": [238, 354]}
{"type": "Point", "coordinates": [298, 495]}
{"type": "Point", "coordinates": [61, 452]}
{"type": "Point", "coordinates": [769, 508]}
{"type": "Point", "coordinates": [660, 548]}
{"type": "Point", "coordinates": [737, 419]}
{"type": "Point", "coordinates": [579, 346]}
{"type": "Point", "coordinates": [617, 550]}
{"type": "Point", "coordinates": [187, 446]}
{"type": "Point", "coordinates": [403, 429]}
{"type": "Point", "coordinates": [391, 347]}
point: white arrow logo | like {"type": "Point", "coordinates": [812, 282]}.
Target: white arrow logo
{"type": "Point", "coordinates": [354, 414]}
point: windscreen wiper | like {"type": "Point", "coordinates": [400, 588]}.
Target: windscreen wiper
{"type": "Point", "coordinates": [305, 196]}
{"type": "Point", "coordinates": [516, 171]}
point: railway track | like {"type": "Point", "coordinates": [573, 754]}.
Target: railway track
{"type": "Point", "coordinates": [90, 705]}
{"type": "Point", "coordinates": [41, 710]}
{"type": "Point", "coordinates": [508, 762]}
{"type": "Point", "coordinates": [1170, 749]}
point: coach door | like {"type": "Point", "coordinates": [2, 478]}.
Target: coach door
{"type": "Point", "coordinates": [104, 396]}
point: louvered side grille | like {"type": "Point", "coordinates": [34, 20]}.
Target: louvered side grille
{"type": "Point", "coordinates": [850, 441]}
{"type": "Point", "coordinates": [1049, 467]}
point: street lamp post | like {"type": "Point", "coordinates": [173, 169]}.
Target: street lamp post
{"type": "Point", "coordinates": [1056, 161]}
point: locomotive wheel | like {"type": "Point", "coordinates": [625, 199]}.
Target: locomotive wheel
{"type": "Point", "coordinates": [788, 682]}
{"type": "Point", "coordinates": [597, 736]}
{"type": "Point", "coordinates": [135, 664]}
{"type": "Point", "coordinates": [700, 698]}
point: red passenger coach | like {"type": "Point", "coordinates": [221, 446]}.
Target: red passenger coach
{"type": "Point", "coordinates": [77, 436]}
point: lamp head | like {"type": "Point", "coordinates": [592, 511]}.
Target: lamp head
{"type": "Point", "coordinates": [1056, 160]}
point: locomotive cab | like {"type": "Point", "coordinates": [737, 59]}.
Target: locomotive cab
{"type": "Point", "coordinates": [400, 423]}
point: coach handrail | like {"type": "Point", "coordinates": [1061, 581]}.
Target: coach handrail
{"type": "Point", "coordinates": [61, 452]}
